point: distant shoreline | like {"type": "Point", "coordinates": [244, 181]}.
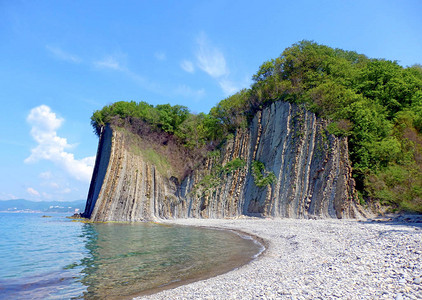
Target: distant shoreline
{"type": "Point", "coordinates": [310, 259]}
{"type": "Point", "coordinates": [27, 206]}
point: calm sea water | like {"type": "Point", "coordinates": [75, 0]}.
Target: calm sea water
{"type": "Point", "coordinates": [55, 258]}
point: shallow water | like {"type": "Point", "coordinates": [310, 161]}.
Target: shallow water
{"type": "Point", "coordinates": [54, 258]}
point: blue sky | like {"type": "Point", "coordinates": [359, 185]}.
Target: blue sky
{"type": "Point", "coordinates": [62, 60]}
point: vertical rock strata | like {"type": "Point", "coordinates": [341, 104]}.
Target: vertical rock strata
{"type": "Point", "coordinates": [311, 167]}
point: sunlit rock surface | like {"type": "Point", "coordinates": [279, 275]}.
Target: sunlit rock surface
{"type": "Point", "coordinates": [312, 169]}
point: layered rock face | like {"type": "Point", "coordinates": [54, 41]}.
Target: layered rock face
{"type": "Point", "coordinates": [311, 167]}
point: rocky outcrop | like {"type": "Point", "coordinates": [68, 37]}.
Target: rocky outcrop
{"type": "Point", "coordinates": [311, 167]}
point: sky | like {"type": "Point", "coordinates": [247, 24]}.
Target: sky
{"type": "Point", "coordinates": [62, 60]}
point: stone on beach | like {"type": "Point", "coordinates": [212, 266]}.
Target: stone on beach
{"type": "Point", "coordinates": [316, 259]}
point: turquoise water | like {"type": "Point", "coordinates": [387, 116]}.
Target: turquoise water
{"type": "Point", "coordinates": [55, 258]}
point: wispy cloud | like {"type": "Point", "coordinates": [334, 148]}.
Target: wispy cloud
{"type": "Point", "coordinates": [109, 62]}
{"type": "Point", "coordinates": [228, 86]}
{"type": "Point", "coordinates": [210, 59]}
{"type": "Point", "coordinates": [45, 175]}
{"type": "Point", "coordinates": [51, 147]}
{"type": "Point", "coordinates": [33, 192]}
{"type": "Point", "coordinates": [160, 55]}
{"type": "Point", "coordinates": [63, 55]}
{"type": "Point", "coordinates": [188, 92]}
{"type": "Point", "coordinates": [7, 196]}
{"type": "Point", "coordinates": [66, 190]}
{"type": "Point", "coordinates": [117, 63]}
{"type": "Point", "coordinates": [54, 185]}
{"type": "Point", "coordinates": [46, 195]}
{"type": "Point", "coordinates": [187, 66]}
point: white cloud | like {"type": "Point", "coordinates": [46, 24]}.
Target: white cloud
{"type": "Point", "coordinates": [210, 59]}
{"type": "Point", "coordinates": [60, 54]}
{"type": "Point", "coordinates": [187, 66]}
{"type": "Point", "coordinates": [160, 56]}
{"type": "Point", "coordinates": [33, 192]}
{"type": "Point", "coordinates": [109, 62]}
{"type": "Point", "coordinates": [51, 147]}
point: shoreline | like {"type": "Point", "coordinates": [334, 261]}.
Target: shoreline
{"type": "Point", "coordinates": [206, 275]}
{"type": "Point", "coordinates": [311, 259]}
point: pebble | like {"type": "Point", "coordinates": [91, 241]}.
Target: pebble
{"type": "Point", "coordinates": [316, 259]}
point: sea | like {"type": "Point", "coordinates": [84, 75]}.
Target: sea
{"type": "Point", "coordinates": [55, 257]}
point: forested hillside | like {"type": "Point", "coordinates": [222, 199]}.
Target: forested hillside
{"type": "Point", "coordinates": [376, 103]}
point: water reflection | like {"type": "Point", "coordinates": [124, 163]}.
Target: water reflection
{"type": "Point", "coordinates": [127, 259]}
{"type": "Point", "coordinates": [55, 258]}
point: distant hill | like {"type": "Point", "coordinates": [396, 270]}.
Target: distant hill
{"type": "Point", "coordinates": [42, 206]}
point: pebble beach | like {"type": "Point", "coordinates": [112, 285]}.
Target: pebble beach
{"type": "Point", "coordinates": [316, 259]}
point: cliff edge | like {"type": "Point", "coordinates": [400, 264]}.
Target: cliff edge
{"type": "Point", "coordinates": [285, 164]}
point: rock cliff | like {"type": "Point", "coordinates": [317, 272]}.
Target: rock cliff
{"type": "Point", "coordinates": [310, 168]}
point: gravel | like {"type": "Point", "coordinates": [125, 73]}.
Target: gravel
{"type": "Point", "coordinates": [317, 259]}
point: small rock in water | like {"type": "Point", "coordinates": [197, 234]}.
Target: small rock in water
{"type": "Point", "coordinates": [402, 281]}
{"type": "Point", "coordinates": [417, 280]}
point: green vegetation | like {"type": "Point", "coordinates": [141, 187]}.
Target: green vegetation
{"type": "Point", "coordinates": [159, 161]}
{"type": "Point", "coordinates": [192, 130]}
{"type": "Point", "coordinates": [212, 180]}
{"type": "Point", "coordinates": [376, 103]}
{"type": "Point", "coordinates": [234, 165]}
{"type": "Point", "coordinates": [166, 117]}
{"type": "Point", "coordinates": [139, 147]}
{"type": "Point", "coordinates": [261, 177]}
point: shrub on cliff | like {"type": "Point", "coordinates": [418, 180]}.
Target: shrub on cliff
{"type": "Point", "coordinates": [262, 177]}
